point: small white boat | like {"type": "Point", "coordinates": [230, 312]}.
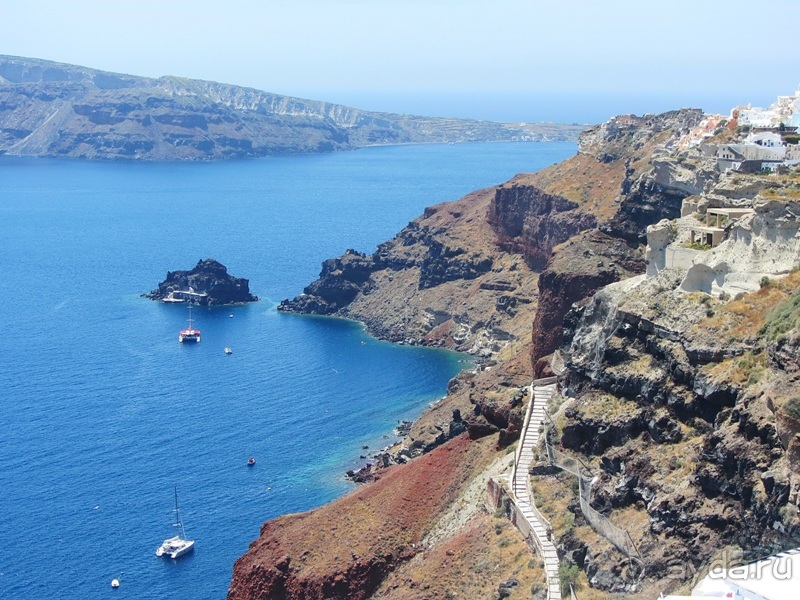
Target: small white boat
{"type": "Point", "coordinates": [177, 546]}
{"type": "Point", "coordinates": [115, 582]}
{"type": "Point", "coordinates": [228, 351]}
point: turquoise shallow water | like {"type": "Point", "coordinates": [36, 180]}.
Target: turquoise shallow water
{"type": "Point", "coordinates": [102, 411]}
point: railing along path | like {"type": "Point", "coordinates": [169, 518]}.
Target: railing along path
{"type": "Point", "coordinates": [541, 392]}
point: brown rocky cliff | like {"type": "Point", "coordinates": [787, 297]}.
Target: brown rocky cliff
{"type": "Point", "coordinates": [442, 281]}
{"type": "Point", "coordinates": [674, 403]}
{"type": "Point", "coordinates": [531, 222]}
{"type": "Point", "coordinates": [454, 277]}
{"type": "Point", "coordinates": [464, 275]}
{"type": "Point", "coordinates": [345, 549]}
{"type": "Point", "coordinates": [576, 270]}
{"type": "Point", "coordinates": [620, 182]}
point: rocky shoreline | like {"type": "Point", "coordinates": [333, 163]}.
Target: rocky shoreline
{"type": "Point", "coordinates": [367, 472]}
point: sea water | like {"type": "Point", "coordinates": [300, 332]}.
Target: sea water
{"type": "Point", "coordinates": [102, 411]}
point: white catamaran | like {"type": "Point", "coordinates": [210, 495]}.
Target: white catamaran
{"type": "Point", "coordinates": [191, 334]}
{"type": "Point", "coordinates": [177, 546]}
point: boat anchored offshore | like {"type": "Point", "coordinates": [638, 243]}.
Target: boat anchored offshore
{"type": "Point", "coordinates": [228, 351]}
{"type": "Point", "coordinates": [191, 334]}
{"type": "Point", "coordinates": [177, 546]}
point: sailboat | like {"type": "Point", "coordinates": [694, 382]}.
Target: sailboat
{"type": "Point", "coordinates": [191, 334]}
{"type": "Point", "coordinates": [177, 546]}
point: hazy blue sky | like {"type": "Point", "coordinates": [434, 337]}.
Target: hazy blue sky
{"type": "Point", "coordinates": [567, 60]}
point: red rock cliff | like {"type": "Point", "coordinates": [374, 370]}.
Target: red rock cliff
{"type": "Point", "coordinates": [345, 549]}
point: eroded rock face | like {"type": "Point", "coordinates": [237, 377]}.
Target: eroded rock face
{"type": "Point", "coordinates": [340, 280]}
{"type": "Point", "coordinates": [436, 262]}
{"type": "Point", "coordinates": [467, 294]}
{"type": "Point", "coordinates": [765, 244]}
{"type": "Point", "coordinates": [530, 222]}
{"type": "Point", "coordinates": [207, 284]}
{"type": "Point", "coordinates": [699, 454]}
{"type": "Point", "coordinates": [655, 183]}
{"type": "Point", "coordinates": [574, 272]}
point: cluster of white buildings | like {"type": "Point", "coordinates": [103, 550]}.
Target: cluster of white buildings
{"type": "Point", "coordinates": [764, 149]}
{"type": "Point", "coordinates": [786, 111]}
{"type": "Point", "coordinates": [760, 151]}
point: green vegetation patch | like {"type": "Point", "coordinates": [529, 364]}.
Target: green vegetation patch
{"type": "Point", "coordinates": [568, 574]}
{"type": "Point", "coordinates": [782, 193]}
{"type": "Point", "coordinates": [792, 408]}
{"type": "Point", "coordinates": [697, 246]}
{"type": "Point", "coordinates": [782, 319]}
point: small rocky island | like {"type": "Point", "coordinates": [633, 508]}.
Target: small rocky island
{"type": "Point", "coordinates": [208, 284]}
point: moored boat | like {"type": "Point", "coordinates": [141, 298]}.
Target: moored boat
{"type": "Point", "coordinates": [191, 334]}
{"type": "Point", "coordinates": [176, 546]}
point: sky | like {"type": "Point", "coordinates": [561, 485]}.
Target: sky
{"type": "Point", "coordinates": [569, 61]}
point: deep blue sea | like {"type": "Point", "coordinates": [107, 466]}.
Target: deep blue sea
{"type": "Point", "coordinates": [102, 411]}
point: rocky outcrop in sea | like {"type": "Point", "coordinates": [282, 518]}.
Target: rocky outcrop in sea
{"type": "Point", "coordinates": [207, 284]}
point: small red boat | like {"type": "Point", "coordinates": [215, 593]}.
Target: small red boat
{"type": "Point", "coordinates": [251, 461]}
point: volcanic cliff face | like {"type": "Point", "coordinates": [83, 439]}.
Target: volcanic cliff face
{"type": "Point", "coordinates": [54, 109]}
{"type": "Point", "coordinates": [674, 404]}
{"type": "Point", "coordinates": [350, 548]}
{"type": "Point", "coordinates": [531, 222]}
{"type": "Point", "coordinates": [680, 402]}
{"type": "Point", "coordinates": [208, 284]}
{"type": "Point", "coordinates": [577, 269]}
{"type": "Point", "coordinates": [622, 180]}
{"type": "Point", "coordinates": [455, 251]}
{"type": "Point", "coordinates": [681, 405]}
{"type": "Point", "coordinates": [465, 274]}
{"type": "Point", "coordinates": [441, 281]}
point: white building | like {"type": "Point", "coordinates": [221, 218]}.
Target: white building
{"type": "Point", "coordinates": [765, 139]}
{"type": "Point", "coordinates": [758, 118]}
{"type": "Point", "coordinates": [731, 156]}
{"type": "Point", "coordinates": [784, 110]}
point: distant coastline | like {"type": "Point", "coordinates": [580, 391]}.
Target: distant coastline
{"type": "Point", "coordinates": [59, 110]}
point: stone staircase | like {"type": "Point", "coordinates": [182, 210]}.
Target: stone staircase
{"type": "Point", "coordinates": [542, 391]}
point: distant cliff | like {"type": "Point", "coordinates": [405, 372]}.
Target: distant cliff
{"type": "Point", "coordinates": [55, 109]}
